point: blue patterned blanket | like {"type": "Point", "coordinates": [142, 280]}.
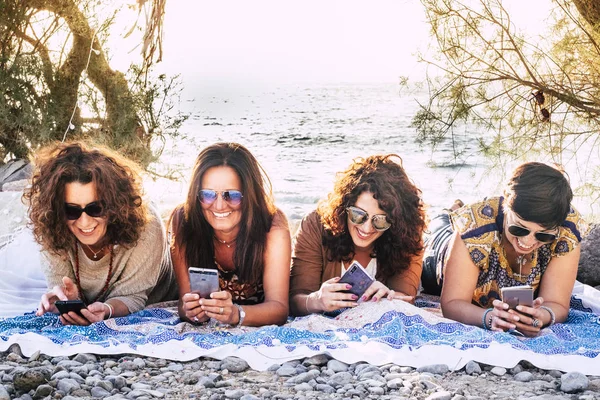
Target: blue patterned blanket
{"type": "Point", "coordinates": [379, 333]}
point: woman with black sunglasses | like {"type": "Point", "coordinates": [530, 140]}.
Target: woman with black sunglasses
{"type": "Point", "coordinates": [229, 223]}
{"type": "Point", "coordinates": [530, 236]}
{"type": "Point", "coordinates": [374, 216]}
{"type": "Point", "coordinates": [101, 243]}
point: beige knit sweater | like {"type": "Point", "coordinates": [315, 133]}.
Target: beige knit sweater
{"type": "Point", "coordinates": [141, 275]}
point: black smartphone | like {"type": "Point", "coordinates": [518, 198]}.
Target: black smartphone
{"type": "Point", "coordinates": [204, 281]}
{"type": "Point", "coordinates": [356, 276]}
{"type": "Point", "coordinates": [517, 295]}
{"type": "Point", "coordinates": [64, 306]}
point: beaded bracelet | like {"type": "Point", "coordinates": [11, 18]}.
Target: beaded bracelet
{"type": "Point", "coordinates": [552, 315]}
{"type": "Point", "coordinates": [110, 310]}
{"type": "Point", "coordinates": [484, 317]}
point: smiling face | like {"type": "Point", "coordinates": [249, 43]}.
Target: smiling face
{"type": "Point", "coordinates": [88, 230]}
{"type": "Point", "coordinates": [222, 216]}
{"type": "Point", "coordinates": [524, 244]}
{"type": "Point", "coordinates": [364, 235]}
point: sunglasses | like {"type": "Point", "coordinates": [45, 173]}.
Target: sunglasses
{"type": "Point", "coordinates": [72, 212]}
{"type": "Point", "coordinates": [232, 197]}
{"type": "Point", "coordinates": [358, 216]}
{"type": "Point", "coordinates": [519, 231]}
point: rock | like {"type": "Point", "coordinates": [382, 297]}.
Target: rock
{"type": "Point", "coordinates": [234, 364]}
{"type": "Point", "coordinates": [4, 395]}
{"type": "Point", "coordinates": [472, 368]}
{"type": "Point", "coordinates": [589, 260]}
{"type": "Point", "coordinates": [324, 388]}
{"type": "Point", "coordinates": [286, 370]}
{"type": "Point", "coordinates": [85, 358]}
{"type": "Point", "coordinates": [67, 385]}
{"type": "Point", "coordinates": [438, 369]}
{"type": "Point", "coordinates": [572, 382]}
{"type": "Point", "coordinates": [524, 376]}
{"type": "Point", "coordinates": [498, 371]}
{"type": "Point", "coordinates": [319, 359]}
{"type": "Point", "coordinates": [30, 380]}
{"type": "Point", "coordinates": [234, 394]}
{"type": "Point", "coordinates": [99, 392]}
{"type": "Point", "coordinates": [440, 396]}
{"type": "Point", "coordinates": [336, 366]}
{"type": "Point", "coordinates": [15, 170]}
{"type": "Point", "coordinates": [340, 379]}
{"type": "Point", "coordinates": [43, 391]}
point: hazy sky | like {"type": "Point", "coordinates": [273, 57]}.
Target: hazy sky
{"type": "Point", "coordinates": [301, 41]}
{"type": "Point", "coordinates": [305, 40]}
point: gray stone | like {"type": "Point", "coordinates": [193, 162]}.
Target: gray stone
{"type": "Point", "coordinates": [68, 364]}
{"type": "Point", "coordinates": [340, 379]}
{"type": "Point", "coordinates": [572, 382]}
{"type": "Point", "coordinates": [589, 260]}
{"type": "Point", "coordinates": [249, 397]}
{"type": "Point", "coordinates": [67, 385]}
{"type": "Point", "coordinates": [438, 369]}
{"type": "Point", "coordinates": [524, 376]}
{"type": "Point", "coordinates": [234, 394]}
{"type": "Point", "coordinates": [324, 388]}
{"type": "Point", "coordinates": [376, 391]}
{"type": "Point", "coordinates": [4, 395]}
{"type": "Point", "coordinates": [43, 391]}
{"type": "Point", "coordinates": [139, 385]}
{"type": "Point", "coordinates": [99, 392]}
{"type": "Point", "coordinates": [319, 359]}
{"type": "Point", "coordinates": [85, 358]}
{"type": "Point", "coordinates": [303, 387]}
{"type": "Point", "coordinates": [472, 367]}
{"type": "Point", "coordinates": [498, 371]}
{"type": "Point", "coordinates": [128, 366]}
{"type": "Point", "coordinates": [337, 366]}
{"type": "Point", "coordinates": [35, 356]}
{"type": "Point", "coordinates": [30, 379]}
{"type": "Point", "coordinates": [60, 375]}
{"type": "Point", "coordinates": [440, 396]}
{"type": "Point", "coordinates": [15, 170]}
{"type": "Point", "coordinates": [234, 364]}
{"type": "Point", "coordinates": [154, 393]}
{"type": "Point", "coordinates": [118, 382]}
{"type": "Point", "coordinates": [286, 370]}
{"type": "Point", "coordinates": [306, 376]}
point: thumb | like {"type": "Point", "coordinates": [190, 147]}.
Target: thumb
{"type": "Point", "coordinates": [67, 282]}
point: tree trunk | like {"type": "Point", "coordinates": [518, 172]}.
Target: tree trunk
{"type": "Point", "coordinates": [590, 11]}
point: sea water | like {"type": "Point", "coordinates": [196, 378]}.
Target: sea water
{"type": "Point", "coordinates": [303, 134]}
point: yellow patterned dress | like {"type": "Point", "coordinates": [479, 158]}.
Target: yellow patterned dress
{"type": "Point", "coordinates": [480, 226]}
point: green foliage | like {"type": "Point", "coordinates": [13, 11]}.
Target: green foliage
{"type": "Point", "coordinates": [530, 97]}
{"type": "Point", "coordinates": [67, 90]}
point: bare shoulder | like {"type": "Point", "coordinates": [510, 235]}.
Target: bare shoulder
{"type": "Point", "coordinates": [280, 222]}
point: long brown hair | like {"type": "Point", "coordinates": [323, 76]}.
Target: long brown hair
{"type": "Point", "coordinates": [194, 234]}
{"type": "Point", "coordinates": [118, 187]}
{"type": "Point", "coordinates": [384, 176]}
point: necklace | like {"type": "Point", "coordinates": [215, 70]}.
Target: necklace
{"type": "Point", "coordinates": [95, 252]}
{"type": "Point", "coordinates": [78, 281]}
{"type": "Point", "coordinates": [225, 242]}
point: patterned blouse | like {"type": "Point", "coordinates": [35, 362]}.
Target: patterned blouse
{"type": "Point", "coordinates": [241, 293]}
{"type": "Point", "coordinates": [480, 226]}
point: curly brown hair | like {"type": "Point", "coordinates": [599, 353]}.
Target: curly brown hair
{"type": "Point", "coordinates": [385, 178]}
{"type": "Point", "coordinates": [118, 187]}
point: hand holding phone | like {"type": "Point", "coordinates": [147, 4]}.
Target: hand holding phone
{"type": "Point", "coordinates": [65, 306]}
{"type": "Point", "coordinates": [204, 281]}
{"type": "Point", "coordinates": [517, 296]}
{"type": "Point", "coordinates": [356, 276]}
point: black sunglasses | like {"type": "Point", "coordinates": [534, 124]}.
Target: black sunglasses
{"type": "Point", "coordinates": [209, 196]}
{"type": "Point", "coordinates": [72, 212]}
{"type": "Point", "coordinates": [520, 231]}
{"type": "Point", "coordinates": [358, 216]}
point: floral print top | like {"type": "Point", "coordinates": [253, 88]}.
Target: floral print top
{"type": "Point", "coordinates": [480, 226]}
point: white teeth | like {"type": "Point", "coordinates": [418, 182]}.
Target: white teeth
{"type": "Point", "coordinates": [362, 234]}
{"type": "Point", "coordinates": [221, 215]}
{"type": "Point", "coordinates": [87, 230]}
{"type": "Point", "coordinates": [523, 245]}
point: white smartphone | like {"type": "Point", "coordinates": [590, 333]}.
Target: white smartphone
{"type": "Point", "coordinates": [204, 281]}
{"type": "Point", "coordinates": [517, 295]}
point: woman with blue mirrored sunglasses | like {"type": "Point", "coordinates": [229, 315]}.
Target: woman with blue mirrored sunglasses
{"type": "Point", "coordinates": [230, 223]}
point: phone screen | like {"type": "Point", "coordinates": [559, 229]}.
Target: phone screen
{"type": "Point", "coordinates": [204, 281]}
{"type": "Point", "coordinates": [356, 276]}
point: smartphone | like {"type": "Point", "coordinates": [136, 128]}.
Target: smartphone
{"type": "Point", "coordinates": [64, 306]}
{"type": "Point", "coordinates": [204, 281]}
{"type": "Point", "coordinates": [517, 295]}
{"type": "Point", "coordinates": [356, 276]}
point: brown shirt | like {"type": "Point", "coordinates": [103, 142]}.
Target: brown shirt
{"type": "Point", "coordinates": [310, 266]}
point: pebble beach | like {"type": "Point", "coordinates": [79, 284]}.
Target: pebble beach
{"type": "Point", "coordinates": [87, 376]}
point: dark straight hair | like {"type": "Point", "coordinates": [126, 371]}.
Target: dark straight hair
{"type": "Point", "coordinates": [194, 234]}
{"type": "Point", "coordinates": [539, 193]}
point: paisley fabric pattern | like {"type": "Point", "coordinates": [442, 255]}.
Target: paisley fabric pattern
{"type": "Point", "coordinates": [376, 332]}
{"type": "Point", "coordinates": [480, 226]}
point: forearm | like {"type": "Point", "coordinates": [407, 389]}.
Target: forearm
{"type": "Point", "coordinates": [267, 313]}
{"type": "Point", "coordinates": [560, 313]}
{"type": "Point", "coordinates": [304, 304]}
{"type": "Point", "coordinates": [464, 312]}
{"type": "Point", "coordinates": [119, 309]}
